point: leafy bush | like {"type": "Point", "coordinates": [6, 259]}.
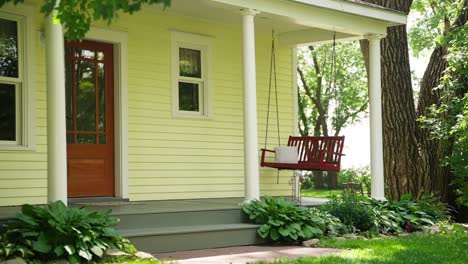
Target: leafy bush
{"type": "Point", "coordinates": [351, 211]}
{"type": "Point", "coordinates": [283, 221]}
{"type": "Point", "coordinates": [57, 231]}
{"type": "Point", "coordinates": [331, 225]}
{"type": "Point", "coordinates": [407, 215]}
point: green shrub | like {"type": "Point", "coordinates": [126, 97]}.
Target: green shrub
{"type": "Point", "coordinates": [352, 212]}
{"type": "Point", "coordinates": [283, 221]}
{"type": "Point", "coordinates": [331, 225]}
{"type": "Point", "coordinates": [57, 231]}
{"type": "Point", "coordinates": [407, 215]}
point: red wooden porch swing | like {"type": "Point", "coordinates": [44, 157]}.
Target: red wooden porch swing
{"type": "Point", "coordinates": [313, 153]}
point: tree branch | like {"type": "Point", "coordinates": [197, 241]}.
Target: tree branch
{"type": "Point", "coordinates": [306, 87]}
{"type": "Point", "coordinates": [350, 115]}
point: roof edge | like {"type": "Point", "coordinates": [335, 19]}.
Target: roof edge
{"type": "Point", "coordinates": [358, 7]}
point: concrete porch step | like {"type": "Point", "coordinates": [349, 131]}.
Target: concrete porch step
{"type": "Point", "coordinates": [168, 239]}
{"type": "Point", "coordinates": [176, 218]}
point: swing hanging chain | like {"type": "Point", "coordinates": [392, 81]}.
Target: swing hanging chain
{"type": "Point", "coordinates": [334, 74]}
{"type": "Point", "coordinates": [272, 76]}
{"type": "Point", "coordinates": [276, 88]}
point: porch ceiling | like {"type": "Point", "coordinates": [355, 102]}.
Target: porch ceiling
{"type": "Point", "coordinates": [297, 22]}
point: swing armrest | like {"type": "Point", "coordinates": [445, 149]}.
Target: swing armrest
{"type": "Point", "coordinates": [267, 150]}
{"type": "Point", "coordinates": [263, 154]}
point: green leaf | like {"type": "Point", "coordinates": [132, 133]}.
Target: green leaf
{"type": "Point", "coordinates": [296, 226]}
{"type": "Point", "coordinates": [263, 231]}
{"type": "Point", "coordinates": [74, 259]}
{"type": "Point", "coordinates": [97, 251]}
{"type": "Point", "coordinates": [85, 254]}
{"type": "Point", "coordinates": [284, 231]}
{"type": "Point", "coordinates": [428, 221]}
{"type": "Point", "coordinates": [275, 222]}
{"type": "Point", "coordinates": [59, 251]}
{"type": "Point", "coordinates": [274, 234]}
{"type": "Point", "coordinates": [294, 236]}
{"type": "Point", "coordinates": [42, 244]}
{"type": "Point", "coordinates": [70, 249]}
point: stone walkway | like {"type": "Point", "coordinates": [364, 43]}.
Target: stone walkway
{"type": "Point", "coordinates": [245, 254]}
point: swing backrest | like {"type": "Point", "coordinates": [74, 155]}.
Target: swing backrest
{"type": "Point", "coordinates": [317, 150]}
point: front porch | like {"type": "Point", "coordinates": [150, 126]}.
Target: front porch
{"type": "Point", "coordinates": [160, 146]}
{"type": "Point", "coordinates": [174, 225]}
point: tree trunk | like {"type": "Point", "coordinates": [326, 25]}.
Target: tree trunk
{"type": "Point", "coordinates": [318, 179]}
{"type": "Point", "coordinates": [412, 159]}
{"type": "Point", "coordinates": [403, 173]}
{"type": "Point", "coordinates": [332, 177]}
{"type": "Point", "coordinates": [433, 150]}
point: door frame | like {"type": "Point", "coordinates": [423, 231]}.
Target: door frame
{"type": "Point", "coordinates": [119, 40]}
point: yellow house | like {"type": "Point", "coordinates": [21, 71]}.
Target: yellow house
{"type": "Point", "coordinates": [163, 104]}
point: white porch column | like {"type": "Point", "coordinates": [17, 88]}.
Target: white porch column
{"type": "Point", "coordinates": [56, 128]}
{"type": "Point", "coordinates": [375, 114]}
{"type": "Point", "coordinates": [252, 183]}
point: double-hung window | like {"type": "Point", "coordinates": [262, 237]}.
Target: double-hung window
{"type": "Point", "coordinates": [13, 93]}
{"type": "Point", "coordinates": [190, 67]}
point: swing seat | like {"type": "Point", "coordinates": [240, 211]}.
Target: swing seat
{"type": "Point", "coordinates": [314, 154]}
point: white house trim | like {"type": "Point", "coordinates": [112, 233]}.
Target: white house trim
{"type": "Point", "coordinates": [313, 36]}
{"type": "Point", "coordinates": [205, 45]}
{"type": "Point", "coordinates": [27, 100]}
{"type": "Point", "coordinates": [251, 168]}
{"type": "Point", "coordinates": [375, 116]}
{"type": "Point", "coordinates": [358, 9]}
{"type": "Point", "coordinates": [119, 40]}
{"type": "Point", "coordinates": [56, 126]}
{"type": "Point", "coordinates": [314, 16]}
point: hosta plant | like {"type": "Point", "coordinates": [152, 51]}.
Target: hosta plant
{"type": "Point", "coordinates": [283, 221]}
{"type": "Point", "coordinates": [56, 231]}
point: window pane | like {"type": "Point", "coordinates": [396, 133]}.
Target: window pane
{"type": "Point", "coordinates": [7, 112]}
{"type": "Point", "coordinates": [85, 96]}
{"type": "Point", "coordinates": [189, 97]}
{"type": "Point", "coordinates": [86, 139]}
{"type": "Point", "coordinates": [100, 55]}
{"type": "Point", "coordinates": [101, 97]}
{"type": "Point", "coordinates": [189, 63]}
{"type": "Point", "coordinates": [88, 54]}
{"type": "Point", "coordinates": [8, 48]}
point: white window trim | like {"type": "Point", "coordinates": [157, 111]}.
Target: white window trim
{"type": "Point", "coordinates": [25, 90]}
{"type": "Point", "coordinates": [204, 44]}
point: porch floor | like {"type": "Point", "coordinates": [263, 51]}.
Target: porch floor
{"type": "Point", "coordinates": [120, 207]}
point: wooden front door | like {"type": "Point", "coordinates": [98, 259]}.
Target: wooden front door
{"type": "Point", "coordinates": [90, 118]}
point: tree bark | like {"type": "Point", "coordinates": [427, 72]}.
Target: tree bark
{"type": "Point", "coordinates": [433, 150]}
{"type": "Point", "coordinates": [412, 159]}
{"type": "Point", "coordinates": [403, 173]}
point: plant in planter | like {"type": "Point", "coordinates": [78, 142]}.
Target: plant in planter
{"type": "Point", "coordinates": [56, 231]}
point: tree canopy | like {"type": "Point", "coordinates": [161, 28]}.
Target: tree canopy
{"type": "Point", "coordinates": [332, 95]}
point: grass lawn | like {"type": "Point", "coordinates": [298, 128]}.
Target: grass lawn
{"type": "Point", "coordinates": [410, 249]}
{"type": "Point", "coordinates": [319, 193]}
